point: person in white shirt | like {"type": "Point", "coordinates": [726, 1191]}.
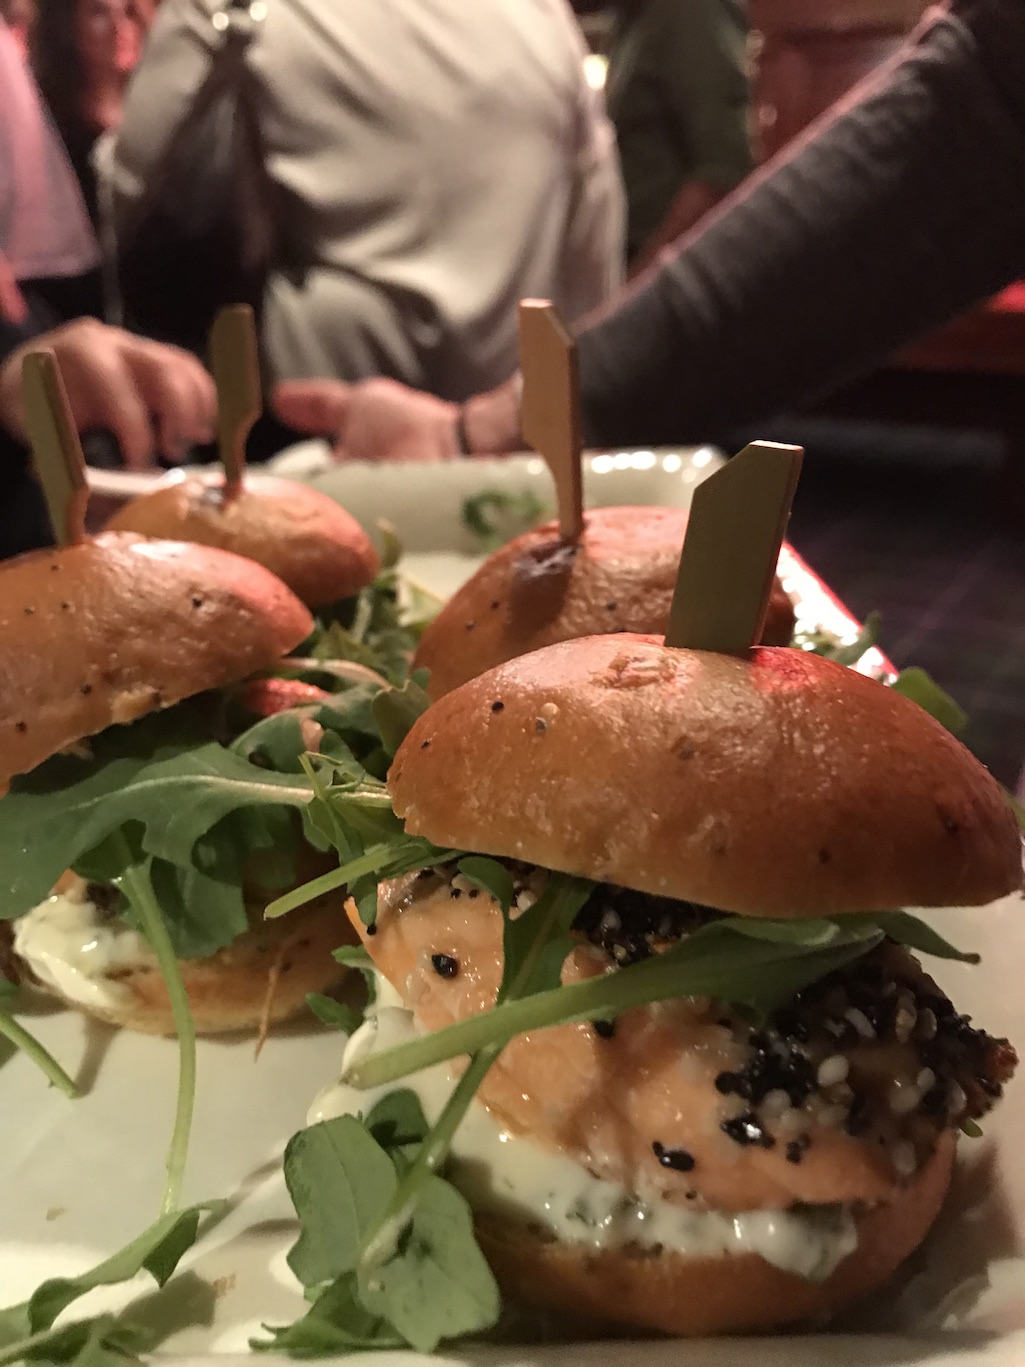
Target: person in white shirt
{"type": "Point", "coordinates": [430, 162]}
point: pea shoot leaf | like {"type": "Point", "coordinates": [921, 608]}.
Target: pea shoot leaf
{"type": "Point", "coordinates": [437, 1284]}
{"type": "Point", "coordinates": [397, 1121]}
{"type": "Point", "coordinates": [336, 1323]}
{"type": "Point", "coordinates": [340, 1182]}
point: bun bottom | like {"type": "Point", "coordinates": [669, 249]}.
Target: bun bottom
{"type": "Point", "coordinates": [691, 1296]}
{"type": "Point", "coordinates": [260, 979]}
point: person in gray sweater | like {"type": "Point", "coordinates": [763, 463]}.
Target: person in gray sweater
{"type": "Point", "coordinates": [905, 208]}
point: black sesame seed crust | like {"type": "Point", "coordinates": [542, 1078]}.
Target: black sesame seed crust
{"type": "Point", "coordinates": [445, 965]}
{"type": "Point", "coordinates": [679, 1160]}
{"type": "Point", "coordinates": [873, 1050]}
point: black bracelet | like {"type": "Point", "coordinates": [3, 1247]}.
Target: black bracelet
{"type": "Point", "coordinates": [462, 440]}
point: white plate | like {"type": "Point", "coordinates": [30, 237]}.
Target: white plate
{"type": "Point", "coordinates": [78, 1179]}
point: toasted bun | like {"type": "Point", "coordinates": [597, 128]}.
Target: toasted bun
{"type": "Point", "coordinates": [299, 534]}
{"type": "Point", "coordinates": [693, 1296]}
{"type": "Point", "coordinates": [778, 784]}
{"type": "Point", "coordinates": [119, 626]}
{"type": "Point", "coordinates": [261, 978]}
{"type": "Point", "coordinates": [536, 591]}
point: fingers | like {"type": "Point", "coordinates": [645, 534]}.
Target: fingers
{"type": "Point", "coordinates": [101, 391]}
{"type": "Point", "coordinates": [12, 302]}
{"type": "Point", "coordinates": [178, 394]}
{"type": "Point", "coordinates": [317, 407]}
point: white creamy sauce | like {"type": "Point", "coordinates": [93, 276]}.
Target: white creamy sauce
{"type": "Point", "coordinates": [71, 948]}
{"type": "Point", "coordinates": [517, 1178]}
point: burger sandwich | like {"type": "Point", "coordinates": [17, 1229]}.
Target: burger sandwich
{"type": "Point", "coordinates": [646, 975]}
{"type": "Point", "coordinates": [539, 589]}
{"type": "Point", "coordinates": [311, 543]}
{"type": "Point", "coordinates": [151, 750]}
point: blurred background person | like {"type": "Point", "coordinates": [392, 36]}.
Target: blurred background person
{"type": "Point", "coordinates": [424, 165]}
{"type": "Point", "coordinates": [678, 94]}
{"type": "Point", "coordinates": [17, 15]}
{"type": "Point", "coordinates": [82, 53]}
{"type": "Point", "coordinates": [904, 208]}
{"type": "Point", "coordinates": [48, 253]}
{"type": "Point", "coordinates": [153, 399]}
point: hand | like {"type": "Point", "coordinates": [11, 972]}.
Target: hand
{"type": "Point", "coordinates": [12, 303]}
{"type": "Point", "coordinates": [371, 420]}
{"type": "Point", "coordinates": [145, 393]}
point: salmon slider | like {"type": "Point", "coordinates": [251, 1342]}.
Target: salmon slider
{"type": "Point", "coordinates": [735, 1104]}
{"type": "Point", "coordinates": [539, 589]}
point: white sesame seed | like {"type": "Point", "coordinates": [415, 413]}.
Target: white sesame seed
{"type": "Point", "coordinates": [925, 1080]}
{"type": "Point", "coordinates": [860, 1021]}
{"type": "Point", "coordinates": [902, 1156]}
{"type": "Point", "coordinates": [926, 1027]}
{"type": "Point", "coordinates": [903, 1024]}
{"type": "Point", "coordinates": [775, 1103]}
{"type": "Point", "coordinates": [904, 1097]}
{"type": "Point", "coordinates": [832, 1070]}
{"type": "Point", "coordinates": [956, 1100]}
{"type": "Point", "coordinates": [790, 1121]}
{"type": "Point", "coordinates": [832, 1116]}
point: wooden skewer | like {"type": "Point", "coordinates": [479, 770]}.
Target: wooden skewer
{"type": "Point", "coordinates": [56, 449]}
{"type": "Point", "coordinates": [235, 361]}
{"type": "Point", "coordinates": [550, 407]}
{"type": "Point", "coordinates": [735, 529]}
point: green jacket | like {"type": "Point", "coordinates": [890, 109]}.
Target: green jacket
{"type": "Point", "coordinates": [677, 92]}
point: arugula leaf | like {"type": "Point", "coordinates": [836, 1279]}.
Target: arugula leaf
{"type": "Point", "coordinates": [437, 1285]}
{"type": "Point", "coordinates": [338, 1015]}
{"type": "Point", "coordinates": [138, 778]}
{"type": "Point", "coordinates": [492, 876]}
{"type": "Point", "coordinates": [914, 933]}
{"type": "Point", "coordinates": [380, 628]}
{"type": "Point", "coordinates": [157, 1250]}
{"type": "Point", "coordinates": [395, 710]}
{"type": "Point", "coordinates": [340, 1182]}
{"type": "Point", "coordinates": [535, 943]}
{"type": "Point", "coordinates": [915, 683]}
{"type": "Point", "coordinates": [348, 715]}
{"type": "Point", "coordinates": [716, 961]}
{"type": "Point", "coordinates": [809, 933]}
{"type": "Point", "coordinates": [495, 516]}
{"type": "Point", "coordinates": [356, 956]}
{"type": "Point", "coordinates": [1017, 808]}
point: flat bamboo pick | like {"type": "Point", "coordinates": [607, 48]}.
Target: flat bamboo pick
{"type": "Point", "coordinates": [235, 361]}
{"type": "Point", "coordinates": [56, 449]}
{"type": "Point", "coordinates": [734, 532]}
{"type": "Point", "coordinates": [550, 406]}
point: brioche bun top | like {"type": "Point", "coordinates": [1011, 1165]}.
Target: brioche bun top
{"type": "Point", "coordinates": [108, 630]}
{"type": "Point", "coordinates": [538, 590]}
{"type": "Point", "coordinates": [775, 784]}
{"type": "Point", "coordinates": [311, 543]}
